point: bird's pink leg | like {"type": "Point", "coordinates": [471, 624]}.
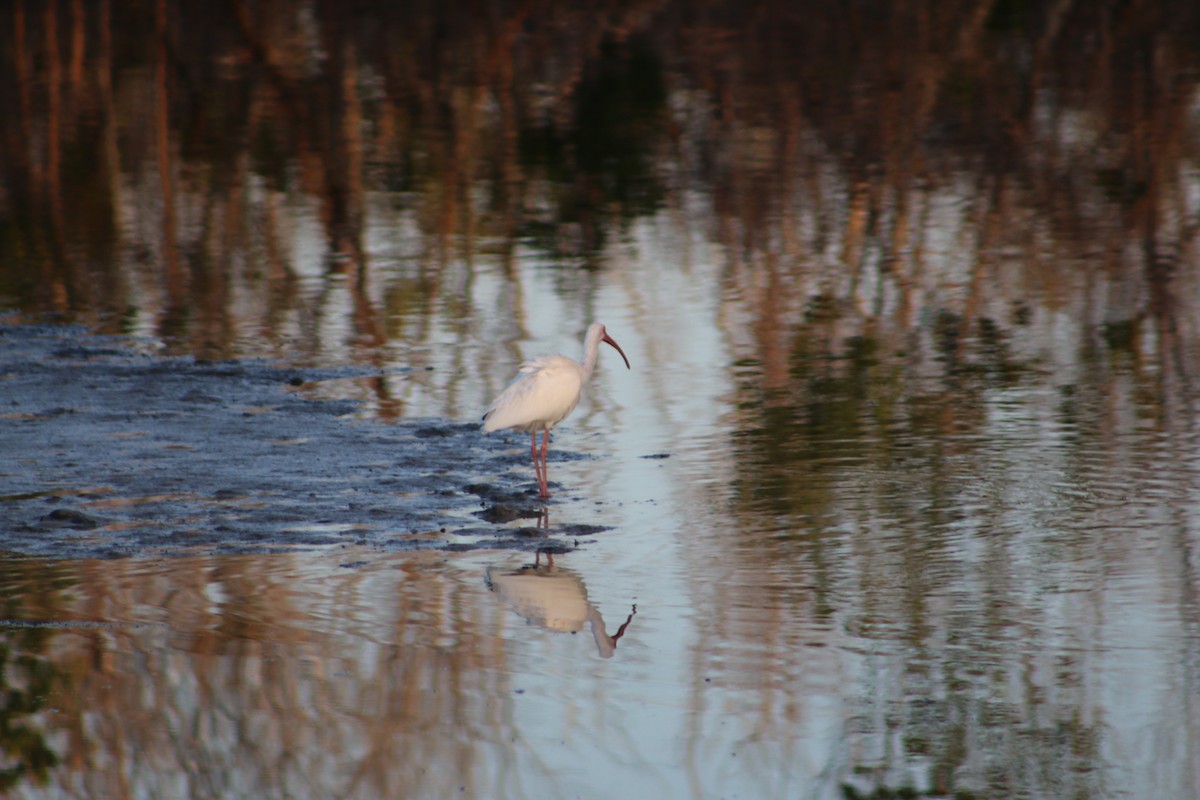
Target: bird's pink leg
{"type": "Point", "coordinates": [537, 465]}
{"type": "Point", "coordinates": [545, 476]}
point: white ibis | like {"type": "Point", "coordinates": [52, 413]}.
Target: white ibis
{"type": "Point", "coordinates": [544, 392]}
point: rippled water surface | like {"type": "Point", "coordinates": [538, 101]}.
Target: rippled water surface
{"type": "Point", "coordinates": [899, 497]}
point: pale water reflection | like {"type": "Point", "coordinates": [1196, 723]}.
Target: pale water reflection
{"type": "Point", "coordinates": [555, 598]}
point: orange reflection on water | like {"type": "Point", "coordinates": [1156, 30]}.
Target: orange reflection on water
{"type": "Point", "coordinates": [220, 673]}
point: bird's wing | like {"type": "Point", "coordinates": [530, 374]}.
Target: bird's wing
{"type": "Point", "coordinates": [545, 390]}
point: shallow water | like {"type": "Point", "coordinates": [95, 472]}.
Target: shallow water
{"type": "Point", "coordinates": [1005, 607]}
{"type": "Point", "coordinates": [899, 495]}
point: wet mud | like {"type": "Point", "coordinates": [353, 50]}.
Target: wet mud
{"type": "Point", "coordinates": [111, 452]}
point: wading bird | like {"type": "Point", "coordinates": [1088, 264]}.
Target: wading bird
{"type": "Point", "coordinates": [544, 392]}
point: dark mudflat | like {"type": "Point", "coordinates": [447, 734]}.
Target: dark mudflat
{"type": "Point", "coordinates": [111, 452]}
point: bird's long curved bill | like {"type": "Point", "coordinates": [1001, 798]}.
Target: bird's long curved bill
{"type": "Point", "coordinates": [610, 340]}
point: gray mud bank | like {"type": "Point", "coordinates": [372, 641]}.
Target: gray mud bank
{"type": "Point", "coordinates": [105, 452]}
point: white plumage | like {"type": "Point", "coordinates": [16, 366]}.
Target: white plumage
{"type": "Point", "coordinates": [545, 391]}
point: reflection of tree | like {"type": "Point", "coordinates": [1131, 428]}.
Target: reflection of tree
{"type": "Point", "coordinates": [160, 162]}
{"type": "Point", "coordinates": [921, 501]}
{"type": "Point", "coordinates": [28, 682]}
{"type": "Point", "coordinates": [375, 682]}
{"type": "Point", "coordinates": [604, 160]}
{"type": "Point", "coordinates": [891, 481]}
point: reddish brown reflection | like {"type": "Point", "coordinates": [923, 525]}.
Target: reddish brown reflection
{"type": "Point", "coordinates": [808, 131]}
{"type": "Point", "coordinates": [213, 672]}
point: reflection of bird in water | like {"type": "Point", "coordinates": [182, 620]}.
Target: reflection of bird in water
{"type": "Point", "coordinates": [554, 598]}
{"type": "Point", "coordinates": [544, 392]}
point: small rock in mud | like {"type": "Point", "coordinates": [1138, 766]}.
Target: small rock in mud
{"type": "Point", "coordinates": [501, 513]}
{"type": "Point", "coordinates": [433, 430]}
{"type": "Point", "coordinates": [85, 352]}
{"type": "Point", "coordinates": [70, 518]}
{"type": "Point", "coordinates": [490, 493]}
{"type": "Point", "coordinates": [580, 529]}
{"type": "Point", "coordinates": [555, 548]}
{"type": "Point", "coordinates": [197, 396]}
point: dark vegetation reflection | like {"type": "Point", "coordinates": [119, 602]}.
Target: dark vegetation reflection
{"type": "Point", "coordinates": [158, 141]}
{"type": "Point", "coordinates": [28, 676]}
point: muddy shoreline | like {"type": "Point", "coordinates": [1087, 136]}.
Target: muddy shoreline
{"type": "Point", "coordinates": [111, 452]}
